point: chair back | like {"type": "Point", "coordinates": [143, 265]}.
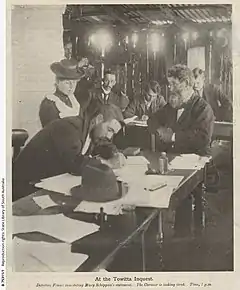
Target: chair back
{"type": "Point", "coordinates": [19, 138]}
{"type": "Point", "coordinates": [223, 131]}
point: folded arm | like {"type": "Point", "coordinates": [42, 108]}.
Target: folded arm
{"type": "Point", "coordinates": [130, 110]}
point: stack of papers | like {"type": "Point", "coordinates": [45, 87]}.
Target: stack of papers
{"type": "Point", "coordinates": [188, 161]}
{"type": "Point", "coordinates": [57, 226]}
{"type": "Point", "coordinates": [44, 257]}
{"type": "Point", "coordinates": [60, 183]}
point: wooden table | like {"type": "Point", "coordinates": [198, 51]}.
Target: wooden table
{"type": "Point", "coordinates": [118, 231]}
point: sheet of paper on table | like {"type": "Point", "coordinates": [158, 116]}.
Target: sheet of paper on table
{"type": "Point", "coordinates": [130, 120]}
{"type": "Point", "coordinates": [57, 226]}
{"type": "Point", "coordinates": [131, 173]}
{"type": "Point", "coordinates": [44, 201]}
{"type": "Point", "coordinates": [139, 123]}
{"type": "Point", "coordinates": [139, 196]}
{"type": "Point", "coordinates": [60, 183]}
{"type": "Point", "coordinates": [30, 256]}
{"type": "Point", "coordinates": [110, 208]}
{"type": "Point", "coordinates": [188, 161]}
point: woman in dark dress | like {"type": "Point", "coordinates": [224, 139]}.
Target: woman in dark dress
{"type": "Point", "coordinates": [62, 103]}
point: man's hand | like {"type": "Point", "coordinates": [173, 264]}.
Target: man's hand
{"type": "Point", "coordinates": [83, 62]}
{"type": "Point", "coordinates": [144, 118]}
{"type": "Point", "coordinates": [116, 162]}
{"type": "Point", "coordinates": [165, 134]}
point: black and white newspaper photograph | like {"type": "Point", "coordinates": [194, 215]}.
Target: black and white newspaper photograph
{"type": "Point", "coordinates": [121, 152]}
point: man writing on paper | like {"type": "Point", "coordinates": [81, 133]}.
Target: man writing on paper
{"type": "Point", "coordinates": [61, 147]}
{"type": "Point", "coordinates": [146, 104]}
{"type": "Point", "coordinates": [185, 123]}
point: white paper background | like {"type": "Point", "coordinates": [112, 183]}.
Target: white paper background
{"type": "Point", "coordinates": [225, 280]}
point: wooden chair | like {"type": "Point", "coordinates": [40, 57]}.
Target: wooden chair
{"type": "Point", "coordinates": [19, 138]}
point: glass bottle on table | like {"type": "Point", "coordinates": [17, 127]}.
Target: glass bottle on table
{"type": "Point", "coordinates": [163, 163]}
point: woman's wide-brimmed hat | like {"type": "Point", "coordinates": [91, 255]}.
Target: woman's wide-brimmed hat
{"type": "Point", "coordinates": [99, 183]}
{"type": "Point", "coordinates": [67, 69]}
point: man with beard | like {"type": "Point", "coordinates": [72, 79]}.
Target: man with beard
{"type": "Point", "coordinates": [185, 123]}
{"type": "Point", "coordinates": [62, 146]}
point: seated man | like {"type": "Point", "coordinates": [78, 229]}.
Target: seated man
{"type": "Point", "coordinates": [146, 104]}
{"type": "Point", "coordinates": [105, 95]}
{"type": "Point", "coordinates": [185, 124]}
{"type": "Point", "coordinates": [59, 148]}
{"type": "Point", "coordinates": [219, 102]}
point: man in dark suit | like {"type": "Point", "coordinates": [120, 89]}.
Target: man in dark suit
{"type": "Point", "coordinates": [220, 103]}
{"type": "Point", "coordinates": [185, 124]}
{"type": "Point", "coordinates": [104, 94]}
{"type": "Point", "coordinates": [61, 147]}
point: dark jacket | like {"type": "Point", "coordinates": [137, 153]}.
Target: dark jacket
{"type": "Point", "coordinates": [48, 110]}
{"type": "Point", "coordinates": [97, 99]}
{"type": "Point", "coordinates": [221, 105]}
{"type": "Point", "coordinates": [54, 150]}
{"type": "Point", "coordinates": [138, 107]}
{"type": "Point", "coordinates": [82, 92]}
{"type": "Point", "coordinates": [193, 130]}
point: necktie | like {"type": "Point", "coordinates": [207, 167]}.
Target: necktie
{"type": "Point", "coordinates": [179, 113]}
{"type": "Point", "coordinates": [105, 98]}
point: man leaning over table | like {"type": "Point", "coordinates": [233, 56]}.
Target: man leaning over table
{"type": "Point", "coordinates": [185, 123]}
{"type": "Point", "coordinates": [63, 146]}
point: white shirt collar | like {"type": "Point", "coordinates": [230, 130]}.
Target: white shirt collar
{"type": "Point", "coordinates": [105, 91]}
{"type": "Point", "coordinates": [200, 92]}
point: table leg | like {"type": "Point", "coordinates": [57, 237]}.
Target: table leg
{"type": "Point", "coordinates": [183, 218]}
{"type": "Point", "coordinates": [199, 212]}
{"type": "Point", "coordinates": [159, 240]}
{"type": "Point", "coordinates": [143, 251]}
